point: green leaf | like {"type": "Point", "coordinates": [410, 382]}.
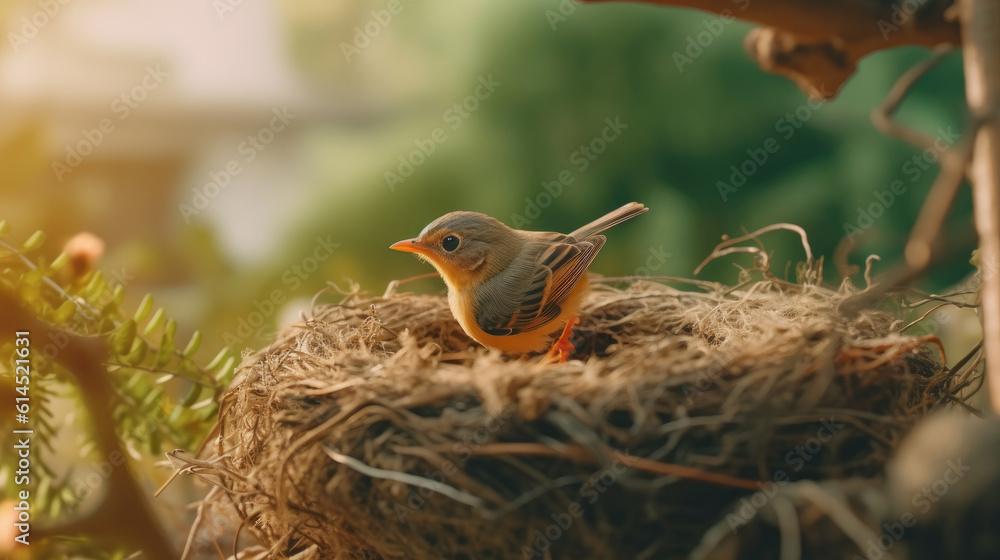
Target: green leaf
{"type": "Point", "coordinates": [175, 415]}
{"type": "Point", "coordinates": [193, 344]}
{"type": "Point", "coordinates": [165, 352]}
{"type": "Point", "coordinates": [118, 295]}
{"type": "Point", "coordinates": [192, 395]}
{"type": "Point", "coordinates": [226, 369]}
{"type": "Point", "coordinates": [4, 228]}
{"type": "Point", "coordinates": [134, 381]}
{"type": "Point", "coordinates": [123, 336]}
{"type": "Point", "coordinates": [64, 313]}
{"type": "Point", "coordinates": [137, 354]}
{"type": "Point", "coordinates": [106, 326]}
{"type": "Point", "coordinates": [30, 286]}
{"type": "Point", "coordinates": [35, 241]}
{"type": "Point", "coordinates": [68, 496]}
{"type": "Point", "coordinates": [217, 360]}
{"type": "Point", "coordinates": [188, 369]}
{"type": "Point", "coordinates": [209, 412]}
{"type": "Point", "coordinates": [154, 322]}
{"type": "Point", "coordinates": [152, 397]}
{"type": "Point", "coordinates": [86, 448]}
{"type": "Point", "coordinates": [60, 263]}
{"type": "Point", "coordinates": [95, 286]}
{"type": "Point", "coordinates": [44, 492]}
{"type": "Point", "coordinates": [55, 509]}
{"type": "Point", "coordinates": [145, 306]}
{"type": "Point", "coordinates": [203, 403]}
{"type": "Point", "coordinates": [154, 443]}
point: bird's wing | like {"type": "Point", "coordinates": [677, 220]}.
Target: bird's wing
{"type": "Point", "coordinates": [525, 299]}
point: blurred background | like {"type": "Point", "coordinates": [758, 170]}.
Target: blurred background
{"type": "Point", "coordinates": [235, 156]}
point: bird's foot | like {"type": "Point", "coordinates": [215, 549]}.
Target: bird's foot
{"type": "Point", "coordinates": [561, 348]}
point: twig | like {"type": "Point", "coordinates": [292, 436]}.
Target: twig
{"type": "Point", "coordinates": [282, 502]}
{"type": "Point", "coordinates": [788, 528]}
{"type": "Point", "coordinates": [581, 454]}
{"type": "Point", "coordinates": [924, 316]}
{"type": "Point", "coordinates": [928, 298]}
{"type": "Point", "coordinates": [537, 492]}
{"type": "Point", "coordinates": [868, 269]}
{"type": "Point", "coordinates": [840, 255]}
{"type": "Point", "coordinates": [961, 363]}
{"type": "Point", "coordinates": [846, 355]}
{"type": "Point", "coordinates": [461, 478]}
{"type": "Point", "coordinates": [937, 204]}
{"type": "Point", "coordinates": [721, 248]}
{"type": "Point", "coordinates": [703, 284]}
{"type": "Point", "coordinates": [312, 302]}
{"type": "Point", "coordinates": [405, 478]}
{"type": "Point", "coordinates": [198, 520]}
{"type": "Point", "coordinates": [380, 323]}
{"type": "Point", "coordinates": [765, 263]}
{"type": "Point", "coordinates": [919, 254]}
{"type": "Point", "coordinates": [882, 114]}
{"type": "Point", "coordinates": [839, 514]}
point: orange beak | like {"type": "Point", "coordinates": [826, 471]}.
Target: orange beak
{"type": "Point", "coordinates": [411, 246]}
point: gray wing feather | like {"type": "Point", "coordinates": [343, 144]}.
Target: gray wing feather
{"type": "Point", "coordinates": [497, 299]}
{"type": "Point", "coordinates": [516, 300]}
{"type": "Point", "coordinates": [613, 218]}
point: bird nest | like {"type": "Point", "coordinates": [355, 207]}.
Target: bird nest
{"type": "Point", "coordinates": [376, 429]}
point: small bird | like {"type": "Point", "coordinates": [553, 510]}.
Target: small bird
{"type": "Point", "coordinates": [510, 289]}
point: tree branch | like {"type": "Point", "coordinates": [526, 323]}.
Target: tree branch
{"type": "Point", "coordinates": [124, 515]}
{"type": "Point", "coordinates": [817, 45]}
{"type": "Point", "coordinates": [981, 47]}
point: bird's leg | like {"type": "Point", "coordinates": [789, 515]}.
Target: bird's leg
{"type": "Point", "coordinates": [562, 347]}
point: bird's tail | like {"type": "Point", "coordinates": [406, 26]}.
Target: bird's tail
{"type": "Point", "coordinates": [630, 210]}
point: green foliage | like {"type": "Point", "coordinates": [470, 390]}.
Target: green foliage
{"type": "Point", "coordinates": [688, 124]}
{"type": "Point", "coordinates": [164, 397]}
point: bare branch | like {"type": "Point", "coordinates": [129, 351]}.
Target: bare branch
{"type": "Point", "coordinates": [981, 48]}
{"type": "Point", "coordinates": [817, 45]}
{"type": "Point", "coordinates": [882, 115]}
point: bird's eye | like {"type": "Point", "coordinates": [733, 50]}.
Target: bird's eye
{"type": "Point", "coordinates": [449, 243]}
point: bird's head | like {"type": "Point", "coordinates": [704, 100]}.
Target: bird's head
{"type": "Point", "coordinates": [465, 247]}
